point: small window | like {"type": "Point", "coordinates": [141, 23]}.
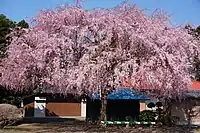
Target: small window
{"type": "Point", "coordinates": [40, 101]}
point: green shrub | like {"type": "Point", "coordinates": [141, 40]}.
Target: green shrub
{"type": "Point", "coordinates": [147, 115]}
{"type": "Point", "coordinates": [168, 120]}
{"type": "Point", "coordinates": [164, 119]}
{"type": "Point", "coordinates": [151, 105]}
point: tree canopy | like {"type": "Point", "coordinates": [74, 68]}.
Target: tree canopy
{"type": "Point", "coordinates": [70, 50]}
{"type": "Point", "coordinates": [195, 32]}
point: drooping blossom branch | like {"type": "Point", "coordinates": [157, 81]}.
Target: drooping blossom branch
{"type": "Point", "coordinates": [71, 50]}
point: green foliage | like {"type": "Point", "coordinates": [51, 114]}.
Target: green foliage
{"type": "Point", "coordinates": [151, 105]}
{"type": "Point", "coordinates": [167, 120]}
{"type": "Point", "coordinates": [164, 119]}
{"type": "Point", "coordinates": [23, 24]}
{"type": "Point", "coordinates": [159, 104]}
{"type": "Point", "coordinates": [147, 116]}
{"type": "Point", "coordinates": [198, 30]}
{"type": "Point", "coordinates": [5, 26]}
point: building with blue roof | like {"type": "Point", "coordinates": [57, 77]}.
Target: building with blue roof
{"type": "Point", "coordinates": [122, 103]}
{"type": "Point", "coordinates": [125, 94]}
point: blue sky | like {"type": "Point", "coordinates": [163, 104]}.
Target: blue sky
{"type": "Point", "coordinates": [181, 11]}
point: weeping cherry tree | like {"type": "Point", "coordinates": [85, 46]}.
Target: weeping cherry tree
{"type": "Point", "coordinates": [71, 50]}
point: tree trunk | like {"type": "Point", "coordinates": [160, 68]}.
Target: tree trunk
{"type": "Point", "coordinates": [167, 106]}
{"type": "Point", "coordinates": [188, 120]}
{"type": "Point", "coordinates": [188, 112]}
{"type": "Point", "coordinates": [168, 112]}
{"type": "Point", "coordinates": [103, 113]}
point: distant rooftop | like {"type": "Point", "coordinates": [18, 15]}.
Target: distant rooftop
{"type": "Point", "coordinates": [125, 94]}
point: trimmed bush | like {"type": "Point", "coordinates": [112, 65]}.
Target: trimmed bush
{"type": "Point", "coordinates": [147, 116]}
{"type": "Point", "coordinates": [151, 105]}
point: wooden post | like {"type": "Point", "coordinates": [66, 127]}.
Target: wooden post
{"type": "Point", "coordinates": [83, 108]}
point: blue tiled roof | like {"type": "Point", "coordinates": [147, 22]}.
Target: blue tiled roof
{"type": "Point", "coordinates": [195, 94]}
{"type": "Point", "coordinates": [124, 94]}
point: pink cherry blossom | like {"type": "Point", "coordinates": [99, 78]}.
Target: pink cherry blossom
{"type": "Point", "coordinates": [71, 50]}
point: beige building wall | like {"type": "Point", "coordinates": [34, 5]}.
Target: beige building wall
{"type": "Point", "coordinates": [187, 111]}
{"type": "Point", "coordinates": [142, 106]}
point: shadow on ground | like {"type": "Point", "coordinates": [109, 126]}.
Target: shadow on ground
{"type": "Point", "coordinates": [52, 120]}
{"type": "Point", "coordinates": [62, 125]}
{"type": "Point", "coordinates": [74, 128]}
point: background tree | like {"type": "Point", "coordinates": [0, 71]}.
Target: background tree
{"type": "Point", "coordinates": [6, 25]}
{"type": "Point", "coordinates": [198, 30]}
{"type": "Point", "coordinates": [70, 50]}
{"type": "Point", "coordinates": [22, 24]}
{"type": "Point", "coordinates": [196, 33]}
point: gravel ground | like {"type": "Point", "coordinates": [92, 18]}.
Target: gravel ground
{"type": "Point", "coordinates": [69, 128]}
{"type": "Point", "coordinates": [78, 126]}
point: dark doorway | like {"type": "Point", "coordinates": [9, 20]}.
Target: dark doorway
{"type": "Point", "coordinates": [117, 110]}
{"type": "Point", "coordinates": [123, 110]}
{"type": "Point", "coordinates": [93, 109]}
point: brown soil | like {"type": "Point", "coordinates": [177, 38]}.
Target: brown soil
{"type": "Point", "coordinates": [80, 128]}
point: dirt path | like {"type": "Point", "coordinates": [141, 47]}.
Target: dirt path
{"type": "Point", "coordinates": [69, 128]}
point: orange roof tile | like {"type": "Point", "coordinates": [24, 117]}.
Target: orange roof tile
{"type": "Point", "coordinates": [195, 84]}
